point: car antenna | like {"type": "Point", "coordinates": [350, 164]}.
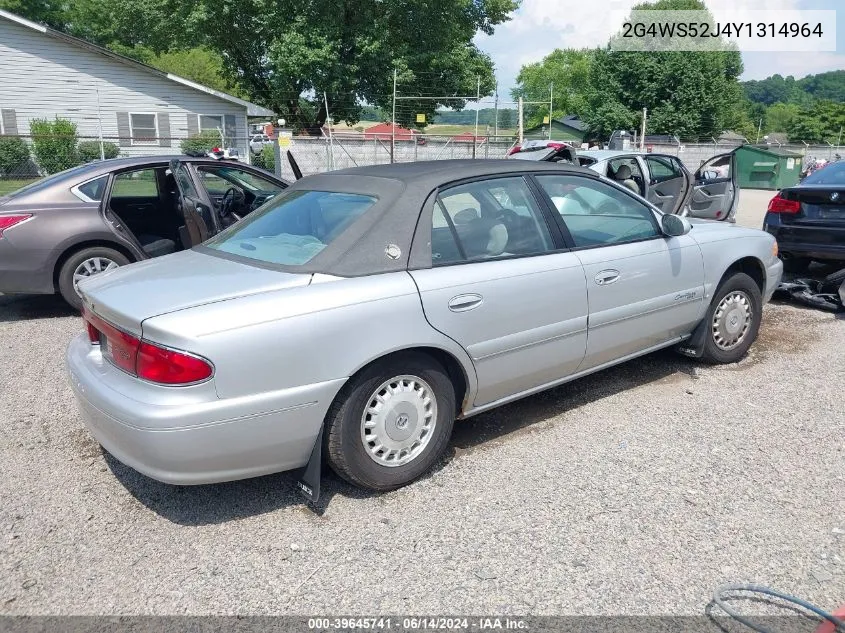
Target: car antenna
{"type": "Point", "coordinates": [294, 167]}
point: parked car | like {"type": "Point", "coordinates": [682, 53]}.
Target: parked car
{"type": "Point", "coordinates": [808, 220]}
{"type": "Point", "coordinates": [363, 310]}
{"type": "Point", "coordinates": [551, 151]}
{"type": "Point", "coordinates": [258, 141]}
{"type": "Point", "coordinates": [105, 214]}
{"type": "Point", "coordinates": [710, 193]}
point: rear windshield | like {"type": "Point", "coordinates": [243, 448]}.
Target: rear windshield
{"type": "Point", "coordinates": [833, 174]}
{"type": "Point", "coordinates": [293, 228]}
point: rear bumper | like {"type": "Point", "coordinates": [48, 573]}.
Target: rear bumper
{"type": "Point", "coordinates": [816, 241]}
{"type": "Point", "coordinates": [196, 442]}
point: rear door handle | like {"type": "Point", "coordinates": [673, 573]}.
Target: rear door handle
{"type": "Point", "coordinates": [462, 303]}
{"type": "Point", "coordinates": [606, 277]}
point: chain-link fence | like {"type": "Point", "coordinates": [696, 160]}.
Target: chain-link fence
{"type": "Point", "coordinates": [24, 159]}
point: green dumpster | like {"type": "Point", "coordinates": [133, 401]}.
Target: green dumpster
{"type": "Point", "coordinates": [767, 167]}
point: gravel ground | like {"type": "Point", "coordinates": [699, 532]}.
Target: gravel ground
{"type": "Point", "coordinates": [635, 491]}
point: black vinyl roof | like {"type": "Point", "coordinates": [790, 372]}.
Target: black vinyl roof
{"type": "Point", "coordinates": [402, 190]}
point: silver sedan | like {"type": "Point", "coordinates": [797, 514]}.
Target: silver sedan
{"type": "Point", "coordinates": [353, 318]}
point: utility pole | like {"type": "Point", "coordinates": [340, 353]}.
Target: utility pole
{"type": "Point", "coordinates": [393, 121]}
{"type": "Point", "coordinates": [551, 106]}
{"type": "Point", "coordinates": [759, 127]}
{"type": "Point", "coordinates": [496, 113]}
{"type": "Point", "coordinates": [477, 100]}
{"type": "Point", "coordinates": [331, 140]}
{"type": "Point", "coordinates": [642, 133]}
{"type": "Point", "coordinates": [519, 123]}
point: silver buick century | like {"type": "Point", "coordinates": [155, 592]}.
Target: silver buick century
{"type": "Point", "coordinates": [355, 316]}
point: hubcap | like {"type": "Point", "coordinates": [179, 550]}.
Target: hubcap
{"type": "Point", "coordinates": [731, 320]}
{"type": "Point", "coordinates": [399, 420]}
{"type": "Point", "coordinates": [92, 266]}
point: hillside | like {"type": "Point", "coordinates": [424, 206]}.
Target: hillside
{"type": "Point", "coordinates": [829, 86]}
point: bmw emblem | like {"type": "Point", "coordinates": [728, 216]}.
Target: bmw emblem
{"type": "Point", "coordinates": [834, 196]}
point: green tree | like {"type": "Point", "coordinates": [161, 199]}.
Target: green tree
{"type": "Point", "coordinates": [564, 74]}
{"type": "Point", "coordinates": [507, 119]}
{"type": "Point", "coordinates": [198, 64]}
{"type": "Point", "coordinates": [824, 122]}
{"type": "Point", "coordinates": [780, 116]}
{"type": "Point", "coordinates": [690, 94]}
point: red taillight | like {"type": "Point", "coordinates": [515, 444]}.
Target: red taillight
{"type": "Point", "coordinates": [782, 205]}
{"type": "Point", "coordinates": [170, 367]}
{"type": "Point", "coordinates": [8, 221]}
{"type": "Point", "coordinates": [144, 359]}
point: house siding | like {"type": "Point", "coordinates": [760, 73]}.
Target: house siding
{"type": "Point", "coordinates": [44, 77]}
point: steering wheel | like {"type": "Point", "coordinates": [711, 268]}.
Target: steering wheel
{"type": "Point", "coordinates": [229, 203]}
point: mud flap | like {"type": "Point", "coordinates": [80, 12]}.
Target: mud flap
{"type": "Point", "coordinates": [694, 345]}
{"type": "Point", "coordinates": [309, 477]}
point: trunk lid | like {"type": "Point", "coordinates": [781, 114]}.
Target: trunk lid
{"type": "Point", "coordinates": [820, 205]}
{"type": "Point", "coordinates": [128, 295]}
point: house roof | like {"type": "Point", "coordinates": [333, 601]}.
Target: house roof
{"type": "Point", "coordinates": [251, 108]}
{"type": "Point", "coordinates": [385, 130]}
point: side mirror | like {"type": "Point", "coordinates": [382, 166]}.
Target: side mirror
{"type": "Point", "coordinates": [675, 225]}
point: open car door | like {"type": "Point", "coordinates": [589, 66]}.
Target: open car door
{"type": "Point", "coordinates": [197, 221]}
{"type": "Point", "coordinates": [669, 183]}
{"type": "Point", "coordinates": [715, 193]}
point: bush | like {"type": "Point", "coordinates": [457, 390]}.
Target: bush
{"type": "Point", "coordinates": [202, 142]}
{"type": "Point", "coordinates": [265, 159]}
{"type": "Point", "coordinates": [14, 156]}
{"type": "Point", "coordinates": [54, 144]}
{"type": "Point", "coordinates": [90, 150]}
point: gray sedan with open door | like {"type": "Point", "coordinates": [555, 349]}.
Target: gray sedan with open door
{"type": "Point", "coordinates": [106, 214]}
{"type": "Point", "coordinates": [355, 316]}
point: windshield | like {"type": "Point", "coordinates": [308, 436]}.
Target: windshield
{"type": "Point", "coordinates": [833, 174]}
{"type": "Point", "coordinates": [294, 228]}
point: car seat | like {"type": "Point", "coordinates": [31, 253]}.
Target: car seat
{"type": "Point", "coordinates": [624, 176]}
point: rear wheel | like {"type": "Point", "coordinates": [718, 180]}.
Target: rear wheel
{"type": "Point", "coordinates": [733, 319]}
{"type": "Point", "coordinates": [83, 264]}
{"type": "Point", "coordinates": [391, 423]}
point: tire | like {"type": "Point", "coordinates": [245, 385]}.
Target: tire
{"type": "Point", "coordinates": [351, 446]}
{"type": "Point", "coordinates": [105, 256]}
{"type": "Point", "coordinates": [796, 264]}
{"type": "Point", "coordinates": [737, 296]}
{"type": "Point", "coordinates": [836, 277]}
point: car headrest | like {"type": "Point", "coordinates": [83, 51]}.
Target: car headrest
{"type": "Point", "coordinates": [498, 240]}
{"type": "Point", "coordinates": [623, 173]}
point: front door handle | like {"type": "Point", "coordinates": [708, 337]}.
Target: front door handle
{"type": "Point", "coordinates": [606, 277]}
{"type": "Point", "coordinates": [462, 303]}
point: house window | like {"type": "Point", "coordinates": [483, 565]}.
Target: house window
{"type": "Point", "coordinates": [143, 128]}
{"type": "Point", "coordinates": [211, 122]}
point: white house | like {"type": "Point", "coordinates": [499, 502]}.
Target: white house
{"type": "Point", "coordinates": [45, 73]}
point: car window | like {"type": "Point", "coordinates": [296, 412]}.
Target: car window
{"type": "Point", "coordinates": [294, 228]}
{"type": "Point", "coordinates": [661, 169]}
{"type": "Point", "coordinates": [140, 183]}
{"type": "Point", "coordinates": [632, 164]}
{"type": "Point", "coordinates": [91, 191]}
{"type": "Point", "coordinates": [219, 179]}
{"type": "Point", "coordinates": [486, 219]}
{"type": "Point", "coordinates": [598, 214]}
{"type": "Point", "coordinates": [831, 174]}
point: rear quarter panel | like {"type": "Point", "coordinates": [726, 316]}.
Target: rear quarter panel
{"type": "Point", "coordinates": [34, 248]}
{"type": "Point", "coordinates": [297, 336]}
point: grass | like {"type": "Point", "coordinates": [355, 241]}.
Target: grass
{"type": "Point", "coordinates": [8, 186]}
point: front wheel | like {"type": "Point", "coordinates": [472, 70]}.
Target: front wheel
{"type": "Point", "coordinates": [86, 263]}
{"type": "Point", "coordinates": [733, 319]}
{"type": "Point", "coordinates": [391, 423]}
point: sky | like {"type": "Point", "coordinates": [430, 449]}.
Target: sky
{"type": "Point", "coordinates": [540, 26]}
